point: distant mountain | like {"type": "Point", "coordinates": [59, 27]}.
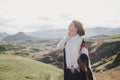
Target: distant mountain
{"type": "Point", "coordinates": [3, 35]}
{"type": "Point", "coordinates": [60, 33]}
{"type": "Point", "coordinates": [17, 37]}
{"type": "Point", "coordinates": [102, 31]}
{"type": "Point", "coordinates": [57, 33]}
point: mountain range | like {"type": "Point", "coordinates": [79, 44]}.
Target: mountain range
{"type": "Point", "coordinates": [57, 33]}
{"type": "Point", "coordinates": [60, 33]}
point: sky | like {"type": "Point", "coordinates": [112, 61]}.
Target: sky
{"type": "Point", "coordinates": [40, 15]}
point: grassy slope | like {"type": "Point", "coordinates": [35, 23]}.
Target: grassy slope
{"type": "Point", "coordinates": [113, 74]}
{"type": "Point", "coordinates": [19, 68]}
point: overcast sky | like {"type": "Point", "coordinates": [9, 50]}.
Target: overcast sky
{"type": "Point", "coordinates": [35, 15]}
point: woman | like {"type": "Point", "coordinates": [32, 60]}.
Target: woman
{"type": "Point", "coordinates": [71, 47]}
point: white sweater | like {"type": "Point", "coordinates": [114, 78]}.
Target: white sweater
{"type": "Point", "coordinates": [72, 48]}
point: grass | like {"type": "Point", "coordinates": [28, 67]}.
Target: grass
{"type": "Point", "coordinates": [18, 68]}
{"type": "Point", "coordinates": [113, 74]}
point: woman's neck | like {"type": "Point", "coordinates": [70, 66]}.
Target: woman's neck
{"type": "Point", "coordinates": [74, 34]}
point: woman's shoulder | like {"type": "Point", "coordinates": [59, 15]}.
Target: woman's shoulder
{"type": "Point", "coordinates": [78, 40]}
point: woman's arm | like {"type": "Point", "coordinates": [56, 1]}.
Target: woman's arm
{"type": "Point", "coordinates": [62, 43]}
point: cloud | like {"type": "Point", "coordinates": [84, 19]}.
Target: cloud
{"type": "Point", "coordinates": [4, 21]}
{"type": "Point", "coordinates": [45, 18]}
{"type": "Point", "coordinates": [7, 25]}
{"type": "Point", "coordinates": [40, 27]}
{"type": "Point", "coordinates": [113, 23]}
{"type": "Point", "coordinates": [33, 15]}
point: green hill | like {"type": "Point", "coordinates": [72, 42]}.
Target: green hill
{"type": "Point", "coordinates": [18, 68]}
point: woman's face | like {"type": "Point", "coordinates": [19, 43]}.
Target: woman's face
{"type": "Point", "coordinates": [72, 28]}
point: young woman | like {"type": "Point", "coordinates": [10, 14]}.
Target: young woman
{"type": "Point", "coordinates": [71, 46]}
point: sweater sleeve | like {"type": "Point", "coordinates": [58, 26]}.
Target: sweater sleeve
{"type": "Point", "coordinates": [62, 43]}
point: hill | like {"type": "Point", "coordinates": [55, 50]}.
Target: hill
{"type": "Point", "coordinates": [18, 68]}
{"type": "Point", "coordinates": [60, 33]}
{"type": "Point", "coordinates": [18, 37]}
{"type": "Point", "coordinates": [105, 55]}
